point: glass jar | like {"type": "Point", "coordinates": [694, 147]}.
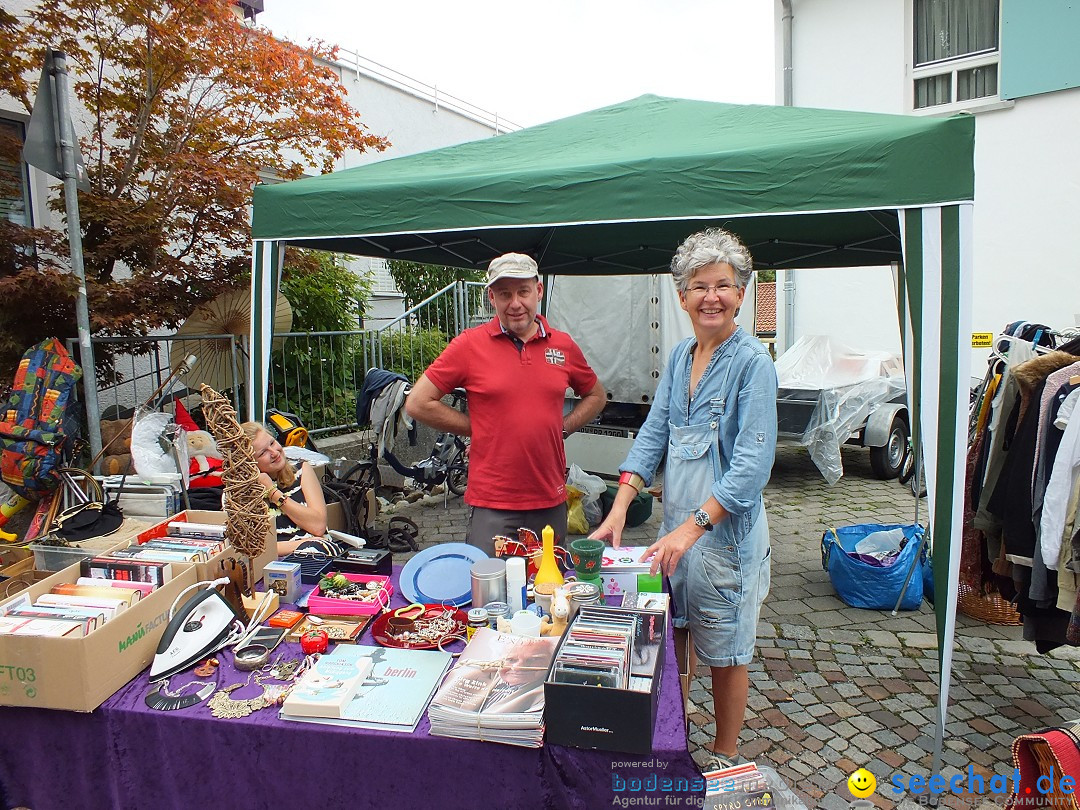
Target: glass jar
{"type": "Point", "coordinates": [477, 618]}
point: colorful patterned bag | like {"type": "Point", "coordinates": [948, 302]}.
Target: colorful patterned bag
{"type": "Point", "coordinates": [35, 425]}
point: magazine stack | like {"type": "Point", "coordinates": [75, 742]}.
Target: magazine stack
{"type": "Point", "coordinates": [495, 692]}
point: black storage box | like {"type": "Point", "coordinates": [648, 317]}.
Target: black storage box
{"type": "Point", "coordinates": [312, 566]}
{"type": "Point", "coordinates": [603, 717]}
{"type": "Point", "coordinates": [365, 561]}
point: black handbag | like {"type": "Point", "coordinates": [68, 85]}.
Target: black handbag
{"type": "Point", "coordinates": [86, 520]}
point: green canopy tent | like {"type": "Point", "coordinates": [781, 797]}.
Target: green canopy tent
{"type": "Point", "coordinates": [613, 191]}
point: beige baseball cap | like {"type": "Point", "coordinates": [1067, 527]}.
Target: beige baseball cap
{"type": "Point", "coordinates": [511, 265]}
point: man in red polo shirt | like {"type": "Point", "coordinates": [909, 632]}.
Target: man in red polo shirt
{"type": "Point", "coordinates": [515, 370]}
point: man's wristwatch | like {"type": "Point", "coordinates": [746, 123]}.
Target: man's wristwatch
{"type": "Point", "coordinates": [565, 434]}
{"type": "Point", "coordinates": [702, 519]}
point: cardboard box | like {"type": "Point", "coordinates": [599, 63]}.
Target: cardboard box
{"type": "Point", "coordinates": [211, 569]}
{"type": "Point", "coordinates": [18, 577]}
{"type": "Point", "coordinates": [12, 555]}
{"type": "Point", "coordinates": [603, 717]}
{"type": "Point", "coordinates": [79, 674]}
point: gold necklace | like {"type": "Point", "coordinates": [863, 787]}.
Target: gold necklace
{"type": "Point", "coordinates": [223, 706]}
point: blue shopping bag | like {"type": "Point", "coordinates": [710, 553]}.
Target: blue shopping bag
{"type": "Point", "coordinates": [862, 584]}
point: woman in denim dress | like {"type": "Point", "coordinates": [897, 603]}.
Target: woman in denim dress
{"type": "Point", "coordinates": [714, 416]}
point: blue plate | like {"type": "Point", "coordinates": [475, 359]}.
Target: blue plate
{"type": "Point", "coordinates": [441, 574]}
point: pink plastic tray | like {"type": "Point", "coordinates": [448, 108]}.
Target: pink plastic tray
{"type": "Point", "coordinates": [328, 606]}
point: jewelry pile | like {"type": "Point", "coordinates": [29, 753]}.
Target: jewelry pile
{"type": "Point", "coordinates": [223, 705]}
{"type": "Point", "coordinates": [423, 629]}
{"type": "Point", "coordinates": [338, 586]}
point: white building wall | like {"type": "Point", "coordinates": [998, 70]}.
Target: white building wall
{"type": "Point", "coordinates": [1027, 177]}
{"type": "Point", "coordinates": [855, 305]}
{"type": "Point", "coordinates": [846, 55]}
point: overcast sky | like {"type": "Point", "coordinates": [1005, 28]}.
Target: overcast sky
{"type": "Point", "coordinates": [535, 62]}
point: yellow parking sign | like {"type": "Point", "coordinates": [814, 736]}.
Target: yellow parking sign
{"type": "Point", "coordinates": [982, 340]}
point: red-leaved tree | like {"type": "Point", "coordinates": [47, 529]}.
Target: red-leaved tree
{"type": "Point", "coordinates": [180, 108]}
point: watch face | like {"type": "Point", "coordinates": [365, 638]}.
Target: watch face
{"type": "Point", "coordinates": [701, 518]}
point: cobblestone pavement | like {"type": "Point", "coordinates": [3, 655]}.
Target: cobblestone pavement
{"type": "Point", "coordinates": [837, 688]}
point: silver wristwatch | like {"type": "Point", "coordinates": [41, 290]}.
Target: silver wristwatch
{"type": "Point", "coordinates": [702, 519]}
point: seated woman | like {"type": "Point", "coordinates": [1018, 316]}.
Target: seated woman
{"type": "Point", "coordinates": [293, 493]}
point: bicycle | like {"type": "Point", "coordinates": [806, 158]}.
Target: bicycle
{"type": "Point", "coordinates": [447, 462]}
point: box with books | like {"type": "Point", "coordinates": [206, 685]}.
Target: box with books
{"type": "Point", "coordinates": [496, 691]}
{"type": "Point", "coordinates": [79, 672]}
{"type": "Point", "coordinates": [110, 568]}
{"type": "Point", "coordinates": [396, 692]}
{"type": "Point", "coordinates": [207, 526]}
{"type": "Point", "coordinates": [604, 684]}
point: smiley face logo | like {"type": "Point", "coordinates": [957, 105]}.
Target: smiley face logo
{"type": "Point", "coordinates": [861, 783]}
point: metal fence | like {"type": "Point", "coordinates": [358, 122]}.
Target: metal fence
{"type": "Point", "coordinates": [141, 365]}
{"type": "Point", "coordinates": [314, 375]}
{"type": "Point", "coordinates": [317, 375]}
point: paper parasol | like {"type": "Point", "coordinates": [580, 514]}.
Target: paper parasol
{"type": "Point", "coordinates": [228, 314]}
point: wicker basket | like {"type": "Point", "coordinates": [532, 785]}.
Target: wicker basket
{"type": "Point", "coordinates": [987, 607]}
{"type": "Point", "coordinates": [1051, 768]}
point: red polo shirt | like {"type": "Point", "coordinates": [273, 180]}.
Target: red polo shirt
{"type": "Point", "coordinates": [516, 460]}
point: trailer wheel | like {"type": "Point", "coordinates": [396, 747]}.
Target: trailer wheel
{"type": "Point", "coordinates": [887, 460]}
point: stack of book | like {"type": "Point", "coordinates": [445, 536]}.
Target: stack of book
{"type": "Point", "coordinates": [391, 697]}
{"type": "Point", "coordinates": [184, 542]}
{"type": "Point", "coordinates": [495, 692]}
{"type": "Point", "coordinates": [69, 609]}
{"type": "Point", "coordinates": [736, 787]}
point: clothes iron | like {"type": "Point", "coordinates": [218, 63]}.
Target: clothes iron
{"type": "Point", "coordinates": [202, 625]}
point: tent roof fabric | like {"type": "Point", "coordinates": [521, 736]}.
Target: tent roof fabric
{"type": "Point", "coordinates": [614, 190]}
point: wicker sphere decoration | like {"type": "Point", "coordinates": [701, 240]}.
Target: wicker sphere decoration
{"type": "Point", "coordinates": [247, 520]}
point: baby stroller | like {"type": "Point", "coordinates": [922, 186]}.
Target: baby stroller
{"type": "Point", "coordinates": [382, 405]}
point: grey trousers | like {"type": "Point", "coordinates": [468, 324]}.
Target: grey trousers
{"type": "Point", "coordinates": [484, 524]}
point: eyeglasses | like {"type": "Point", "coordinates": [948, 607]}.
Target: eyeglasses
{"type": "Point", "coordinates": [699, 290]}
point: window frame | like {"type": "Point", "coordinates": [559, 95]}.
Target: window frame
{"type": "Point", "coordinates": [951, 67]}
{"type": "Point", "coordinates": [24, 170]}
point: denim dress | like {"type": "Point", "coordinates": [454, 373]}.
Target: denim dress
{"type": "Point", "coordinates": [720, 441]}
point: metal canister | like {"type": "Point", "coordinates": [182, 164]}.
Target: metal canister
{"type": "Point", "coordinates": [496, 611]}
{"type": "Point", "coordinates": [477, 618]}
{"type": "Point", "coordinates": [488, 581]}
{"type": "Point", "coordinates": [583, 593]}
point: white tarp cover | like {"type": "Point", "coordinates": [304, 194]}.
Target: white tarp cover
{"type": "Point", "coordinates": [846, 386]}
{"type": "Point", "coordinates": [627, 327]}
{"type": "Point", "coordinates": [622, 326]}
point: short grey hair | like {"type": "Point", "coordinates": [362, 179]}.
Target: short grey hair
{"type": "Point", "coordinates": [711, 246]}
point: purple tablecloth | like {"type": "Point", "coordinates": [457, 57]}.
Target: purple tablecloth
{"type": "Point", "coordinates": [125, 755]}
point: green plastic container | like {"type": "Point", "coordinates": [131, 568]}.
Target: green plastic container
{"type": "Point", "coordinates": [640, 508]}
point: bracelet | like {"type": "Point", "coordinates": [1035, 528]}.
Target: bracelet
{"type": "Point", "coordinates": [251, 657]}
{"type": "Point", "coordinates": [633, 479]}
